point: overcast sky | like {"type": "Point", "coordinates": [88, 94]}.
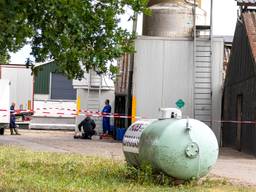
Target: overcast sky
{"type": "Point", "coordinates": [224, 21]}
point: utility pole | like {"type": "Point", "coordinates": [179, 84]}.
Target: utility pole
{"type": "Point", "coordinates": [128, 108]}
{"type": "Point", "coordinates": [211, 19]}
{"type": "Point", "coordinates": [211, 40]}
{"type": "Point", "coordinates": [194, 53]}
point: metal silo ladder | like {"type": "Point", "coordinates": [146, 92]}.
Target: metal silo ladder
{"type": "Point", "coordinates": [202, 94]}
{"type": "Point", "coordinates": [94, 97]}
{"type": "Point", "coordinates": [94, 92]}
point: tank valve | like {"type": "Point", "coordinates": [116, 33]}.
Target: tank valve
{"type": "Point", "coordinates": [192, 150]}
{"type": "Point", "coordinates": [188, 126]}
{"type": "Point", "coordinates": [170, 113]}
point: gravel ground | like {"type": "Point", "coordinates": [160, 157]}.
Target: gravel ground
{"type": "Point", "coordinates": [235, 166]}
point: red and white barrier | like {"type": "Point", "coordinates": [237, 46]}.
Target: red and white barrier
{"type": "Point", "coordinates": [71, 112]}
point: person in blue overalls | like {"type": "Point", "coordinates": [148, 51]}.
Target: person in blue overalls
{"type": "Point", "coordinates": [106, 120]}
{"type": "Point", "coordinates": [13, 126]}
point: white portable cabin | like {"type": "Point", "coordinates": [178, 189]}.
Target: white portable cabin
{"type": "Point", "coordinates": [4, 103]}
{"type": "Point", "coordinates": [21, 85]}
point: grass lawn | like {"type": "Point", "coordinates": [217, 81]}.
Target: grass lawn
{"type": "Point", "coordinates": [22, 170]}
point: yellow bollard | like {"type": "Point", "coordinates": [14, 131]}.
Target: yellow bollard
{"type": "Point", "coordinates": [78, 105]}
{"type": "Point", "coordinates": [133, 109]}
{"type": "Point", "coordinates": [29, 104]}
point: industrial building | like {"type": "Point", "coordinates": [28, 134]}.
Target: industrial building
{"type": "Point", "coordinates": [51, 84]}
{"type": "Point", "coordinates": [53, 90]}
{"type": "Point", "coordinates": [240, 84]}
{"type": "Point", "coordinates": [53, 93]}
{"type": "Point", "coordinates": [177, 60]}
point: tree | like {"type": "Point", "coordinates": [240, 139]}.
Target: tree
{"type": "Point", "coordinates": [78, 34]}
{"type": "Point", "coordinates": [4, 58]}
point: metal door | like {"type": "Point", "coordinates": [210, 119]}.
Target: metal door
{"type": "Point", "coordinates": [62, 88]}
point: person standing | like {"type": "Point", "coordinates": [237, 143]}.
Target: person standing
{"type": "Point", "coordinates": [13, 126]}
{"type": "Point", "coordinates": [106, 120]}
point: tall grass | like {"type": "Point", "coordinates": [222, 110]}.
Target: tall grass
{"type": "Point", "coordinates": [26, 171]}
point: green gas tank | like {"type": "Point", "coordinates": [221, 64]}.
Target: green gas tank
{"type": "Point", "coordinates": [181, 148]}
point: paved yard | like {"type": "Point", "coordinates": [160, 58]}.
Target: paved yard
{"type": "Point", "coordinates": [235, 166]}
{"type": "Point", "coordinates": [59, 141]}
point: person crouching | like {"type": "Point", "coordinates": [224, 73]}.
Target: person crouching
{"type": "Point", "coordinates": [88, 131]}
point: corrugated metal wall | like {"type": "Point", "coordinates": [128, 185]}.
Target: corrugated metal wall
{"type": "Point", "coordinates": [149, 75]}
{"type": "Point", "coordinates": [121, 84]}
{"type": "Point", "coordinates": [42, 79]}
{"type": "Point", "coordinates": [217, 84]}
{"type": "Point", "coordinates": [240, 81]}
{"type": "Point", "coordinates": [164, 73]}
{"type": "Point", "coordinates": [50, 82]}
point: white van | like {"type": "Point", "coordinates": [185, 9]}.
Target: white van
{"type": "Point", "coordinates": [4, 105]}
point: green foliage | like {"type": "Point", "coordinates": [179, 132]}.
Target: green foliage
{"type": "Point", "coordinates": [78, 34]}
{"type": "Point", "coordinates": [4, 58]}
{"type": "Point", "coordinates": [26, 171]}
